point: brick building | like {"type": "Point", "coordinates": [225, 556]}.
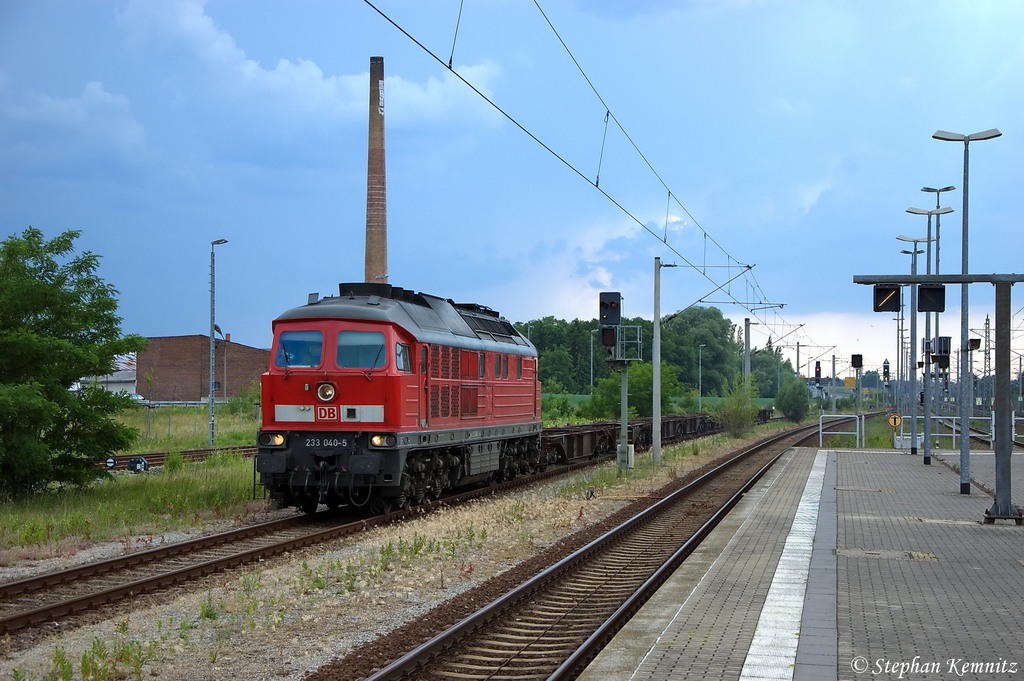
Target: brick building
{"type": "Point", "coordinates": [177, 368]}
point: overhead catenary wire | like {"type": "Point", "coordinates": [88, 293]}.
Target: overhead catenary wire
{"type": "Point", "coordinates": [536, 139]}
{"type": "Point", "coordinates": [609, 115]}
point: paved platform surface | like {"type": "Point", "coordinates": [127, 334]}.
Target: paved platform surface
{"type": "Point", "coordinates": [842, 564]}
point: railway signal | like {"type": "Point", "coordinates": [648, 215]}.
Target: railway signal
{"type": "Point", "coordinates": [931, 298]}
{"type": "Point", "coordinates": [887, 298]}
{"type": "Point", "coordinates": [611, 308]}
{"type": "Point", "coordinates": [608, 336]}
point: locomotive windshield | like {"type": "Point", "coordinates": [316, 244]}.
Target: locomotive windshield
{"type": "Point", "coordinates": [361, 350]}
{"type": "Point", "coordinates": [299, 349]}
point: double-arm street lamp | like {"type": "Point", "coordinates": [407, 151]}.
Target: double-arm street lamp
{"type": "Point", "coordinates": [213, 347]}
{"type": "Point", "coordinates": [966, 382]}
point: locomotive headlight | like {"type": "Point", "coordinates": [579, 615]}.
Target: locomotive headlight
{"type": "Point", "coordinates": [271, 439]}
{"type": "Point", "coordinates": [383, 440]}
{"type": "Point", "coordinates": [325, 391]}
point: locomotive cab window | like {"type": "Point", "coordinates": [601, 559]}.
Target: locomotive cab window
{"type": "Point", "coordinates": [361, 350]}
{"type": "Point", "coordinates": [519, 367]}
{"type": "Point", "coordinates": [403, 357]}
{"type": "Point", "coordinates": [299, 349]}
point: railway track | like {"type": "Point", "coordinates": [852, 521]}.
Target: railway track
{"type": "Point", "coordinates": [120, 463]}
{"type": "Point", "coordinates": [979, 436]}
{"type": "Point", "coordinates": [552, 625]}
{"type": "Point", "coordinates": [53, 596]}
{"type": "Point", "coordinates": [57, 595]}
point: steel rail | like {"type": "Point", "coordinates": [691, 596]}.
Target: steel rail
{"type": "Point", "coordinates": [63, 608]}
{"type": "Point", "coordinates": [411, 662]}
{"type": "Point", "coordinates": [29, 587]}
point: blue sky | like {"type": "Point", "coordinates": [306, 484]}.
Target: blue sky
{"type": "Point", "coordinates": [791, 135]}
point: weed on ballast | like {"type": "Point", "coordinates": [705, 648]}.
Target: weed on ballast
{"type": "Point", "coordinates": [120, 659]}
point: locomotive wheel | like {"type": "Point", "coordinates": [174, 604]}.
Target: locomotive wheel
{"type": "Point", "coordinates": [309, 505]}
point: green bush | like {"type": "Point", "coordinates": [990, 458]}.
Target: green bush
{"type": "Point", "coordinates": [738, 411]}
{"type": "Point", "coordinates": [792, 401]}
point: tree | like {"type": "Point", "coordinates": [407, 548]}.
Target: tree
{"type": "Point", "coordinates": [606, 401]}
{"type": "Point", "coordinates": [681, 338]}
{"type": "Point", "coordinates": [792, 400]}
{"type": "Point", "coordinates": [58, 323]}
{"type": "Point", "coordinates": [556, 365]}
{"type": "Point", "coordinates": [738, 411]}
{"type": "Point", "coordinates": [641, 388]}
{"type": "Point", "coordinates": [767, 369]}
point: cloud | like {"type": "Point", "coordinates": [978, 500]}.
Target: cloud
{"type": "Point", "coordinates": [41, 131]}
{"type": "Point", "coordinates": [295, 95]}
{"type": "Point", "coordinates": [809, 193]}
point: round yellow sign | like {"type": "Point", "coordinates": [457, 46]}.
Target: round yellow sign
{"type": "Point", "coordinates": [895, 420]}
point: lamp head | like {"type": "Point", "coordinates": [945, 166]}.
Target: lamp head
{"type": "Point", "coordinates": [914, 241]}
{"type": "Point", "coordinates": [984, 135]}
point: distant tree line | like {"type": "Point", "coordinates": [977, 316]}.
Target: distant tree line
{"type": "Point", "coordinates": [572, 359]}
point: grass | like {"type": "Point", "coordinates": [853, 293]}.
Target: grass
{"type": "Point", "coordinates": [55, 523]}
{"type": "Point", "coordinates": [164, 429]}
{"type": "Point", "coordinates": [878, 435]}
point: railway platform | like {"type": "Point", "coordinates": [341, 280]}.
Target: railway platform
{"type": "Point", "coordinates": [842, 564]}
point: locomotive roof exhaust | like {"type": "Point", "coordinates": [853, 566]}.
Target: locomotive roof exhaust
{"type": "Point", "coordinates": [376, 268]}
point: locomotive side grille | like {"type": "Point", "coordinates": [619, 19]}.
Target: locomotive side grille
{"type": "Point", "coordinates": [446, 362]}
{"type": "Point", "coordinates": [435, 401]}
{"type": "Point", "coordinates": [435, 362]}
{"type": "Point", "coordinates": [455, 401]}
{"type": "Point", "coordinates": [445, 400]}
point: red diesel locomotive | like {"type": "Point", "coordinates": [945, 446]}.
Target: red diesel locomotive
{"type": "Point", "coordinates": [382, 397]}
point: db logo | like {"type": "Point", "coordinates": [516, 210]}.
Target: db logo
{"type": "Point", "coordinates": [327, 413]}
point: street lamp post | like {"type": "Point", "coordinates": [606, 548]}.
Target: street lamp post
{"type": "Point", "coordinates": [938, 195]}
{"type": "Point", "coordinates": [938, 241]}
{"type": "Point", "coordinates": [913, 350]}
{"type": "Point", "coordinates": [700, 376]}
{"type": "Point", "coordinates": [213, 347]}
{"type": "Point", "coordinates": [966, 382]}
{"type": "Point", "coordinates": [928, 383]}
{"type": "Point", "coordinates": [656, 367]}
